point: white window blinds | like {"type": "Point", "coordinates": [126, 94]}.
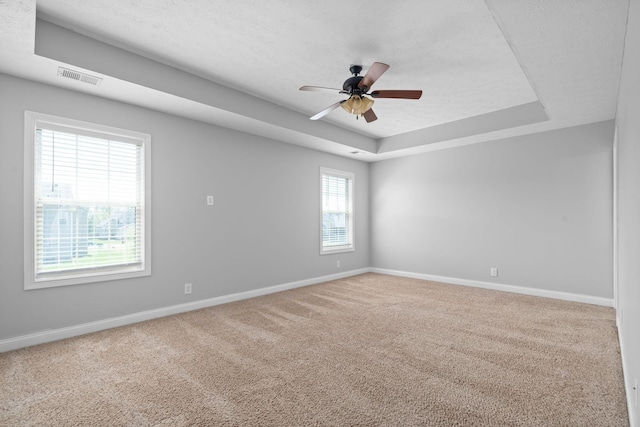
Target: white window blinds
{"type": "Point", "coordinates": [88, 203]}
{"type": "Point", "coordinates": [337, 211]}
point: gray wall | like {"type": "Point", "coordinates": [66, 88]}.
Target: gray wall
{"type": "Point", "coordinates": [628, 123]}
{"type": "Point", "coordinates": [263, 229]}
{"type": "Point", "coordinates": [537, 207]}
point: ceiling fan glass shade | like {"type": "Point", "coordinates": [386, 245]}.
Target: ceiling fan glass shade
{"type": "Point", "coordinates": [357, 105]}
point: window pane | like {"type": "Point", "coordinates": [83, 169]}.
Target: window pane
{"type": "Point", "coordinates": [78, 237]}
{"type": "Point", "coordinates": [334, 229]}
{"type": "Point", "coordinates": [88, 202]}
{"type": "Point", "coordinates": [337, 219]}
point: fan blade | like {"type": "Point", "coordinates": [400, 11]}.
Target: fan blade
{"type": "Point", "coordinates": [326, 111]}
{"type": "Point", "coordinates": [369, 115]}
{"type": "Point", "coordinates": [401, 94]}
{"type": "Point", "coordinates": [320, 89]}
{"type": "Point", "coordinates": [374, 73]}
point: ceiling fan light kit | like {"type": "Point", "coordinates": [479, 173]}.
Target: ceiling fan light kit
{"type": "Point", "coordinates": [357, 105]}
{"type": "Point", "coordinates": [358, 86]}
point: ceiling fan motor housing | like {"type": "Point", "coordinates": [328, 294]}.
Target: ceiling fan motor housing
{"type": "Point", "coordinates": [351, 85]}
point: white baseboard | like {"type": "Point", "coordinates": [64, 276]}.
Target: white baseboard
{"type": "Point", "coordinates": [628, 383]}
{"type": "Point", "coordinates": [607, 302]}
{"type": "Point", "coordinates": [85, 328]}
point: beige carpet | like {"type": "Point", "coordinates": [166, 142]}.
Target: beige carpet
{"type": "Point", "coordinates": [366, 350]}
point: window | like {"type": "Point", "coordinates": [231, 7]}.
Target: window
{"type": "Point", "coordinates": [87, 198]}
{"type": "Point", "coordinates": [337, 211]}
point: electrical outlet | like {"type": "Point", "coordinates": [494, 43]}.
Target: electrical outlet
{"type": "Point", "coordinates": [338, 264]}
{"type": "Point", "coordinates": [187, 288]}
{"type": "Point", "coordinates": [209, 200]}
{"type": "Point", "coordinates": [494, 271]}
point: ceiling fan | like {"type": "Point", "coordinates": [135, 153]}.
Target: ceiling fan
{"type": "Point", "coordinates": [357, 87]}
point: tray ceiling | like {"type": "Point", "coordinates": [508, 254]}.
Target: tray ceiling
{"type": "Point", "coordinates": [487, 69]}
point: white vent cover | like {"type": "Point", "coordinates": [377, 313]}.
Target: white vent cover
{"type": "Point", "coordinates": [77, 75]}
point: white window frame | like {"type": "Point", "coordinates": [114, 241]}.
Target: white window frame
{"type": "Point", "coordinates": [34, 120]}
{"type": "Point", "coordinates": [350, 246]}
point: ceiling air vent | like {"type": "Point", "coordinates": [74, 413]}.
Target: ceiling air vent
{"type": "Point", "coordinates": [76, 75]}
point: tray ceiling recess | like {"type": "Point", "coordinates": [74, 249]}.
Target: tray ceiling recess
{"type": "Point", "coordinates": [487, 69]}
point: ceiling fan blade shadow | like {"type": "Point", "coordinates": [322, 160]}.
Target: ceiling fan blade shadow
{"type": "Point", "coordinates": [321, 89]}
{"type": "Point", "coordinates": [375, 71]}
{"type": "Point", "coordinates": [399, 94]}
{"type": "Point", "coordinates": [369, 115]}
{"type": "Point", "coordinates": [326, 111]}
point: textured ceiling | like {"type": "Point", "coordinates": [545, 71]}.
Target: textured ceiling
{"type": "Point", "coordinates": [453, 51]}
{"type": "Point", "coordinates": [471, 58]}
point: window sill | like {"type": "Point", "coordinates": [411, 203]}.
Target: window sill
{"type": "Point", "coordinates": [324, 251]}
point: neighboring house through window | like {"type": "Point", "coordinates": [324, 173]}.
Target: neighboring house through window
{"type": "Point", "coordinates": [87, 197]}
{"type": "Point", "coordinates": [337, 211]}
